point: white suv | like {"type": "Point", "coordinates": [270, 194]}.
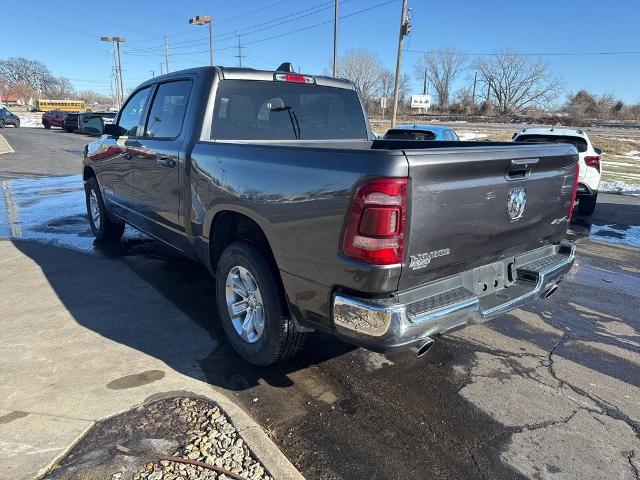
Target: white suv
{"type": "Point", "coordinates": [590, 165]}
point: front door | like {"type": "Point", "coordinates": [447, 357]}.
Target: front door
{"type": "Point", "coordinates": [115, 156]}
{"type": "Point", "coordinates": [158, 163]}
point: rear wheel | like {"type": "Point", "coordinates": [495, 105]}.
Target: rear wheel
{"type": "Point", "coordinates": [17, 124]}
{"type": "Point", "coordinates": [587, 204]}
{"type": "Point", "coordinates": [252, 307]}
{"type": "Point", "coordinates": [101, 225]}
{"type": "Point", "coordinates": [68, 130]}
{"type": "Point", "coordinates": [1, 123]}
{"type": "Point", "coordinates": [46, 125]}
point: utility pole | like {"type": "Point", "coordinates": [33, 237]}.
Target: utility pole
{"type": "Point", "coordinates": [166, 54]}
{"type": "Point", "coordinates": [405, 29]}
{"type": "Point", "coordinates": [153, 73]}
{"type": "Point", "coordinates": [117, 66]}
{"type": "Point", "coordinates": [473, 95]}
{"type": "Point", "coordinates": [161, 68]}
{"type": "Point", "coordinates": [239, 56]}
{"type": "Point", "coordinates": [335, 39]}
{"type": "Point", "coordinates": [425, 88]}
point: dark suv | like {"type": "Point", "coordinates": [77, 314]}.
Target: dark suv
{"type": "Point", "coordinates": [8, 118]}
{"type": "Point", "coordinates": [71, 122]}
{"type": "Point", "coordinates": [52, 118]}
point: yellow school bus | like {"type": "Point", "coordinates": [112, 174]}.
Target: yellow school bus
{"type": "Point", "coordinates": [43, 105]}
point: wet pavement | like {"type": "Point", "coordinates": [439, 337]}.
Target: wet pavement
{"type": "Point", "coordinates": [550, 391]}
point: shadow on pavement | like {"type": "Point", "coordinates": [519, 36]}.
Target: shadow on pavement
{"type": "Point", "coordinates": [93, 289]}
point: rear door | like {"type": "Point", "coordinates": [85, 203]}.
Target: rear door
{"type": "Point", "coordinates": [460, 198]}
{"type": "Point", "coordinates": [158, 163]}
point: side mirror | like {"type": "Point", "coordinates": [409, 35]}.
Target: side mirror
{"type": "Point", "coordinates": [112, 130]}
{"type": "Point", "coordinates": [598, 151]}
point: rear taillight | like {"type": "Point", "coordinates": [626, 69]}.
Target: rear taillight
{"type": "Point", "coordinates": [376, 222]}
{"type": "Point", "coordinates": [574, 193]}
{"type": "Point", "coordinates": [593, 161]}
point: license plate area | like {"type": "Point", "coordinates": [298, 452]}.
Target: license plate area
{"type": "Point", "coordinates": [490, 278]}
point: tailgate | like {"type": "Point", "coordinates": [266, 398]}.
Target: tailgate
{"type": "Point", "coordinates": [459, 217]}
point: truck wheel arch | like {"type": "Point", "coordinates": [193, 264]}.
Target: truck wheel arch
{"type": "Point", "coordinates": [87, 173]}
{"type": "Point", "coordinates": [229, 226]}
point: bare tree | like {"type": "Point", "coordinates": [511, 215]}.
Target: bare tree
{"type": "Point", "coordinates": [31, 78]}
{"type": "Point", "coordinates": [442, 68]}
{"type": "Point", "coordinates": [514, 81]}
{"type": "Point", "coordinates": [364, 70]}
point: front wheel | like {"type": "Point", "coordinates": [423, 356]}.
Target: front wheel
{"type": "Point", "coordinates": [252, 307]}
{"type": "Point", "coordinates": [17, 124]}
{"type": "Point", "coordinates": [1, 123]}
{"type": "Point", "coordinates": [102, 226]}
{"type": "Point", "coordinates": [46, 125]}
{"type": "Point", "coordinates": [587, 204]}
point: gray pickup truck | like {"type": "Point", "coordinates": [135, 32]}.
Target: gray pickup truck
{"type": "Point", "coordinates": [275, 182]}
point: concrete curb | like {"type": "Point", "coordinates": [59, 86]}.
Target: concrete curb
{"type": "Point", "coordinates": [4, 146]}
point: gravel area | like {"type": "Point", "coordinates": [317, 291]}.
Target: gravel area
{"type": "Point", "coordinates": [211, 439]}
{"type": "Point", "coordinates": [194, 429]}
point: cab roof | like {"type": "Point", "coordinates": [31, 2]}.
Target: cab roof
{"type": "Point", "coordinates": [236, 73]}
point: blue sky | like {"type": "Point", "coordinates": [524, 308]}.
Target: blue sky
{"type": "Point", "coordinates": [65, 35]}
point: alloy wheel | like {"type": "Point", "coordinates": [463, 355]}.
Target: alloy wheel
{"type": "Point", "coordinates": [244, 303]}
{"type": "Point", "coordinates": [94, 207]}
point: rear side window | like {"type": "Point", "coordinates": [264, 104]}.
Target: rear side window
{"type": "Point", "coordinates": [167, 112]}
{"type": "Point", "coordinates": [132, 112]}
{"type": "Point", "coordinates": [262, 110]}
{"type": "Point", "coordinates": [578, 142]}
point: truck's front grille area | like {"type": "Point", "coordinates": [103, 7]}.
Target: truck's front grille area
{"type": "Point", "coordinates": [441, 300]}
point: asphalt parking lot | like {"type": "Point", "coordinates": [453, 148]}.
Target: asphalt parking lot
{"type": "Point", "coordinates": [547, 392]}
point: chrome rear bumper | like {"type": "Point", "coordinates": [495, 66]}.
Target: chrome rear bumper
{"type": "Point", "coordinates": [412, 317]}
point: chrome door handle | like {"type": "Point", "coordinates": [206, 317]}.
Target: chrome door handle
{"type": "Point", "coordinates": [166, 162]}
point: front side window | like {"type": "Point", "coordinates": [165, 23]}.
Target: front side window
{"type": "Point", "coordinates": [132, 112]}
{"type": "Point", "coordinates": [168, 109]}
{"type": "Point", "coordinates": [263, 110]}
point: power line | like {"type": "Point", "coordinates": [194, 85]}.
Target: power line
{"type": "Point", "coordinates": [250, 30]}
{"type": "Point", "coordinates": [218, 22]}
{"type": "Point", "coordinates": [529, 54]}
{"type": "Point", "coordinates": [284, 34]}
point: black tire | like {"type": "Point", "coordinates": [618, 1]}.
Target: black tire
{"type": "Point", "coordinates": [279, 339]}
{"type": "Point", "coordinates": [103, 228]}
{"type": "Point", "coordinates": [587, 204]}
{"type": "Point", "coordinates": [46, 125]}
{"type": "Point", "coordinates": [1, 123]}
{"type": "Point", "coordinates": [68, 130]}
{"type": "Point", "coordinates": [17, 124]}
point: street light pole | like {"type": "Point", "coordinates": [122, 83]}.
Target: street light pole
{"type": "Point", "coordinates": [118, 66]}
{"type": "Point", "coordinates": [205, 20]}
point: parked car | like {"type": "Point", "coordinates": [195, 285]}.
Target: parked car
{"type": "Point", "coordinates": [590, 162]}
{"type": "Point", "coordinates": [71, 122]}
{"type": "Point", "coordinates": [52, 118]}
{"type": "Point", "coordinates": [275, 182]}
{"type": "Point", "coordinates": [421, 132]}
{"type": "Point", "coordinates": [8, 118]}
{"type": "Point", "coordinates": [92, 123]}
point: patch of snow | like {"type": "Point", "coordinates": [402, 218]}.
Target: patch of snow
{"type": "Point", "coordinates": [611, 163]}
{"type": "Point", "coordinates": [31, 122]}
{"type": "Point", "coordinates": [466, 136]}
{"type": "Point", "coordinates": [609, 233]}
{"type": "Point", "coordinates": [620, 187]}
{"type": "Point", "coordinates": [633, 153]}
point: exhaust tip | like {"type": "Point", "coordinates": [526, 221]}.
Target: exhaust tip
{"type": "Point", "coordinates": [423, 348]}
{"type": "Point", "coordinates": [550, 291]}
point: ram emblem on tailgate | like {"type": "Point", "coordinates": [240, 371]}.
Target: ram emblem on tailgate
{"type": "Point", "coordinates": [516, 201]}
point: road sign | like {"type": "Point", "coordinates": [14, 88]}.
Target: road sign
{"type": "Point", "coordinates": [421, 101]}
{"type": "Point", "coordinates": [383, 102]}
